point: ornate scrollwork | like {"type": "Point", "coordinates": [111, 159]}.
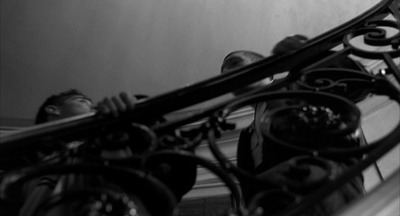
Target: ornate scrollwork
{"type": "Point", "coordinates": [354, 85]}
{"type": "Point", "coordinates": [374, 35]}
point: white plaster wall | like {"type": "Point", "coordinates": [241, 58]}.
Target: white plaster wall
{"type": "Point", "coordinates": [103, 47]}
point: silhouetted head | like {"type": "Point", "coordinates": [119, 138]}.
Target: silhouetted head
{"type": "Point", "coordinates": [238, 59]}
{"type": "Point", "coordinates": [65, 104]}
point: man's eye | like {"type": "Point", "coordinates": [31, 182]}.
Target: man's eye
{"type": "Point", "coordinates": [85, 101]}
{"type": "Point", "coordinates": [233, 63]}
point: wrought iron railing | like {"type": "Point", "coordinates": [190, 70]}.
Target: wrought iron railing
{"type": "Point", "coordinates": [321, 109]}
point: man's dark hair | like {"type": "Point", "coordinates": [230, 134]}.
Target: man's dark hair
{"type": "Point", "coordinates": [252, 55]}
{"type": "Point", "coordinates": [57, 99]}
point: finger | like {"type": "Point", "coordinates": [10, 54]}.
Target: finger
{"type": "Point", "coordinates": [283, 47]}
{"type": "Point", "coordinates": [288, 44]}
{"type": "Point", "coordinates": [111, 106]}
{"type": "Point", "coordinates": [119, 105]}
{"type": "Point", "coordinates": [301, 37]}
{"type": "Point", "coordinates": [295, 42]}
{"type": "Point", "coordinates": [129, 100]}
{"type": "Point", "coordinates": [102, 108]}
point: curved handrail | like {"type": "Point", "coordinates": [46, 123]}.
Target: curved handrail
{"type": "Point", "coordinates": [200, 91]}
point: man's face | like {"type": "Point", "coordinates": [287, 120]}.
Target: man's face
{"type": "Point", "coordinates": [236, 61]}
{"type": "Point", "coordinates": [239, 60]}
{"type": "Point", "coordinates": [75, 105]}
